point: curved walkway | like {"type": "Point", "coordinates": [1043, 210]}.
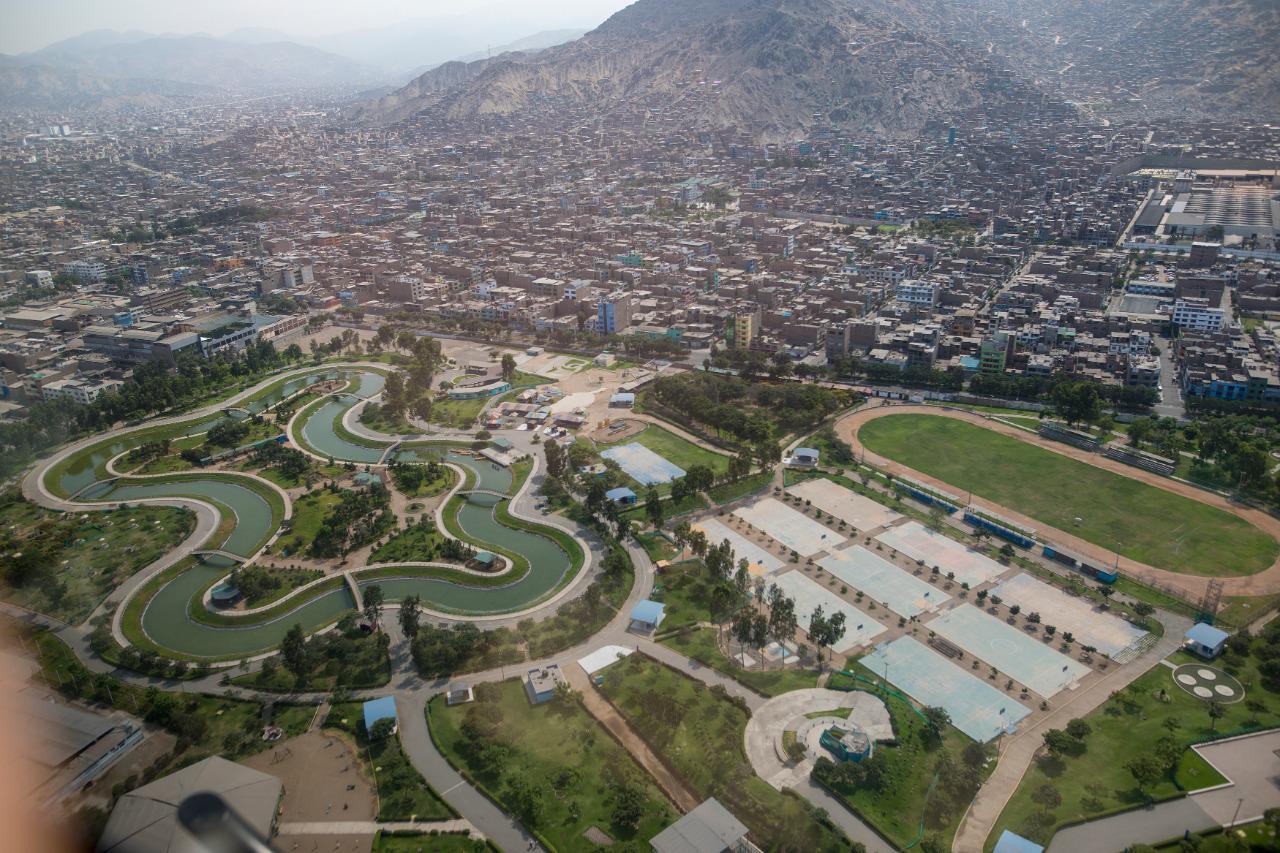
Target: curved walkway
{"type": "Point", "coordinates": [1263, 583]}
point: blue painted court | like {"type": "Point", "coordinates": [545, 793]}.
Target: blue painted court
{"type": "Point", "coordinates": [977, 708]}
{"type": "Point", "coordinates": [642, 464]}
{"type": "Point", "coordinates": [1015, 654]}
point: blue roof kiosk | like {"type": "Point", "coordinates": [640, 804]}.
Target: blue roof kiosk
{"type": "Point", "coordinates": [1011, 842]}
{"type": "Point", "coordinates": [1205, 640]}
{"type": "Point", "coordinates": [622, 496]}
{"type": "Point", "coordinates": [804, 457]}
{"type": "Point", "coordinates": [647, 615]}
{"type": "Point", "coordinates": [379, 709]}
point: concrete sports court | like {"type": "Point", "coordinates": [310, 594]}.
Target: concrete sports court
{"type": "Point", "coordinates": [642, 464]}
{"type": "Point", "coordinates": [762, 562]}
{"type": "Point", "coordinates": [1106, 632]}
{"type": "Point", "coordinates": [902, 592]}
{"type": "Point", "coordinates": [862, 512]}
{"type": "Point", "coordinates": [859, 628]}
{"type": "Point", "coordinates": [795, 530]}
{"type": "Point", "coordinates": [976, 707]}
{"type": "Point", "coordinates": [920, 543]}
{"type": "Point", "coordinates": [1014, 653]}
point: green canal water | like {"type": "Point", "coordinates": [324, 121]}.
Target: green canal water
{"type": "Point", "coordinates": [166, 619]}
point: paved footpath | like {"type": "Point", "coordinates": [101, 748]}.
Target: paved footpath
{"type": "Point", "coordinates": [1017, 753]}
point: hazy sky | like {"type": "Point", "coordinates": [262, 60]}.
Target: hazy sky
{"type": "Point", "coordinates": [31, 24]}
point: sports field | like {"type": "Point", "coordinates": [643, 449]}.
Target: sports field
{"type": "Point", "coordinates": [1141, 522]}
{"type": "Point", "coordinates": [680, 452]}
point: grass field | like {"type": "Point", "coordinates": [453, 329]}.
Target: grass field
{"type": "Point", "coordinates": [89, 555]}
{"type": "Point", "coordinates": [550, 764]}
{"type": "Point", "coordinates": [402, 792]}
{"type": "Point", "coordinates": [701, 646]}
{"type": "Point", "coordinates": [1095, 781]}
{"type": "Point", "coordinates": [906, 803]}
{"type": "Point", "coordinates": [1142, 522]}
{"type": "Point", "coordinates": [421, 842]}
{"type": "Point", "coordinates": [676, 450]}
{"type": "Point", "coordinates": [699, 733]}
{"type": "Point", "coordinates": [309, 512]}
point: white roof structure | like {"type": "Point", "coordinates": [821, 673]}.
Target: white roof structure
{"type": "Point", "coordinates": [145, 820]}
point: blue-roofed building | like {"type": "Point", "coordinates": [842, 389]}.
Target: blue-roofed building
{"type": "Point", "coordinates": [804, 457]}
{"type": "Point", "coordinates": [1205, 640]}
{"type": "Point", "coordinates": [1012, 842]}
{"type": "Point", "coordinates": [379, 709]}
{"type": "Point", "coordinates": [622, 400]}
{"type": "Point", "coordinates": [647, 615]}
{"type": "Point", "coordinates": [622, 496]}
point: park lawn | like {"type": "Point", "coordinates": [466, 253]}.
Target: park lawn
{"type": "Point", "coordinates": [684, 589]}
{"type": "Point", "coordinates": [309, 512]}
{"type": "Point", "coordinates": [902, 807]}
{"type": "Point", "coordinates": [574, 766]}
{"type": "Point", "coordinates": [676, 450]}
{"type": "Point", "coordinates": [402, 792]}
{"type": "Point", "coordinates": [1142, 522]}
{"type": "Point", "coordinates": [698, 731]}
{"type": "Point", "coordinates": [281, 582]}
{"type": "Point", "coordinates": [421, 842]}
{"type": "Point", "coordinates": [656, 546]}
{"type": "Point", "coordinates": [92, 553]}
{"type": "Point", "coordinates": [1255, 836]}
{"type": "Point", "coordinates": [701, 645]}
{"type": "Point", "coordinates": [670, 509]}
{"type": "Point", "coordinates": [419, 543]}
{"type": "Point", "coordinates": [729, 492]}
{"type": "Point", "coordinates": [1240, 610]}
{"type": "Point", "coordinates": [159, 465]}
{"type": "Point", "coordinates": [458, 414]}
{"type": "Point", "coordinates": [1127, 726]}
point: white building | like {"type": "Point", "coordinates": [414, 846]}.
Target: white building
{"type": "Point", "coordinates": [915, 292]}
{"type": "Point", "coordinates": [1196, 314]}
{"type": "Point", "coordinates": [82, 391]}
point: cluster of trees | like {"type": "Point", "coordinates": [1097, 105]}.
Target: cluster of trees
{"type": "Point", "coordinates": [257, 582]}
{"type": "Point", "coordinates": [916, 376]}
{"type": "Point", "coordinates": [149, 450]}
{"type": "Point", "coordinates": [361, 516]}
{"type": "Point", "coordinates": [147, 232]}
{"type": "Point", "coordinates": [228, 432]}
{"type": "Point", "coordinates": [410, 390]}
{"type": "Point", "coordinates": [343, 654]}
{"type": "Point", "coordinates": [153, 388]}
{"type": "Point", "coordinates": [749, 413]}
{"type": "Point", "coordinates": [292, 464]}
{"type": "Point", "coordinates": [410, 478]}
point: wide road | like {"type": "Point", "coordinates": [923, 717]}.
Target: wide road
{"type": "Point", "coordinates": [1265, 582]}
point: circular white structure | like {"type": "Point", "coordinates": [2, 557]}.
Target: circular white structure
{"type": "Point", "coordinates": [1208, 683]}
{"type": "Point", "coordinates": [1207, 674]}
{"type": "Point", "coordinates": [1186, 679]}
{"type": "Point", "coordinates": [1224, 690]}
{"type": "Point", "coordinates": [1202, 692]}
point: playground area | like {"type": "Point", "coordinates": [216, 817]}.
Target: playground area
{"type": "Point", "coordinates": [935, 549]}
{"type": "Point", "coordinates": [761, 561]}
{"type": "Point", "coordinates": [900, 591]}
{"type": "Point", "coordinates": [977, 708]}
{"type": "Point", "coordinates": [834, 499]}
{"type": "Point", "coordinates": [860, 629]}
{"type": "Point", "coordinates": [642, 464]}
{"type": "Point", "coordinates": [1208, 683]}
{"type": "Point", "coordinates": [612, 431]}
{"type": "Point", "coordinates": [794, 530]}
{"type": "Point", "coordinates": [1107, 632]}
{"type": "Point", "coordinates": [1013, 653]}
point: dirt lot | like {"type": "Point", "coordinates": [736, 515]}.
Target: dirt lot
{"type": "Point", "coordinates": [316, 769]}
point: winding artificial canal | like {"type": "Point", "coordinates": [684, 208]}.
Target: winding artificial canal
{"type": "Point", "coordinates": [168, 612]}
